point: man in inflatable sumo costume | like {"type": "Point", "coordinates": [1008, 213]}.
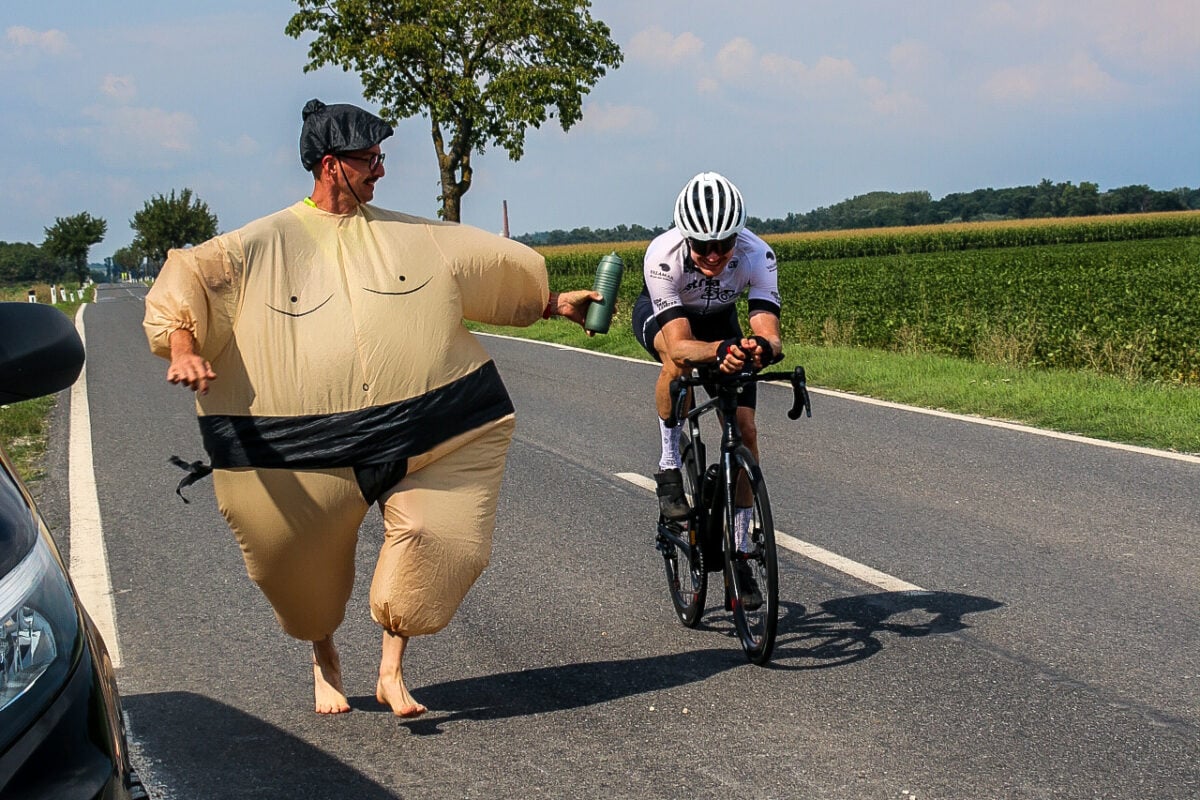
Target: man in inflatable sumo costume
{"type": "Point", "coordinates": [347, 378]}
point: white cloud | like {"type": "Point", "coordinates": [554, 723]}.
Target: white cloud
{"type": "Point", "coordinates": [790, 72]}
{"type": "Point", "coordinates": [244, 145]}
{"type": "Point", "coordinates": [147, 135]}
{"type": "Point", "coordinates": [612, 118]}
{"type": "Point", "coordinates": [1156, 37]}
{"type": "Point", "coordinates": [911, 58]}
{"type": "Point", "coordinates": [658, 46]}
{"type": "Point", "coordinates": [53, 42]}
{"type": "Point", "coordinates": [736, 60]}
{"type": "Point", "coordinates": [1082, 74]}
{"type": "Point", "coordinates": [894, 104]}
{"type": "Point", "coordinates": [1159, 36]}
{"type": "Point", "coordinates": [1079, 78]}
{"type": "Point", "coordinates": [119, 87]}
{"type": "Point", "coordinates": [1015, 84]}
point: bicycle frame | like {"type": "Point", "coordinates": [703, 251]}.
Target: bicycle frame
{"type": "Point", "coordinates": [709, 512]}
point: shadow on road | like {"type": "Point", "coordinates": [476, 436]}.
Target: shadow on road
{"type": "Point", "coordinates": [846, 629]}
{"type": "Point", "coordinates": [537, 691]}
{"type": "Point", "coordinates": [218, 754]}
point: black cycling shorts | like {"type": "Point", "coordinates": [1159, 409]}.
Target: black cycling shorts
{"type": "Point", "coordinates": [705, 328]}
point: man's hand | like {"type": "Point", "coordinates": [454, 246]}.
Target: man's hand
{"type": "Point", "coordinates": [766, 355]}
{"type": "Point", "coordinates": [186, 367]}
{"type": "Point", "coordinates": [574, 305]}
{"type": "Point", "coordinates": [733, 354]}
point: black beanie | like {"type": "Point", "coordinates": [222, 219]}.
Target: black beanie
{"type": "Point", "coordinates": [339, 128]}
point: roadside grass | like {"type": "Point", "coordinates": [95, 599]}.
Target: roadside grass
{"type": "Point", "coordinates": [1157, 415]}
{"type": "Point", "coordinates": [24, 426]}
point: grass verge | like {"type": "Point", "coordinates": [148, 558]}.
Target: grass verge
{"type": "Point", "coordinates": [24, 426]}
{"type": "Point", "coordinates": [1162, 416]}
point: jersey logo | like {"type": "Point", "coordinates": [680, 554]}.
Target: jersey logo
{"type": "Point", "coordinates": [712, 290]}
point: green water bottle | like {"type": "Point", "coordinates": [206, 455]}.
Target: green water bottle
{"type": "Point", "coordinates": [608, 281]}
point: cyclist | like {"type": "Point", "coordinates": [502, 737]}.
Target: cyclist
{"type": "Point", "coordinates": [687, 315]}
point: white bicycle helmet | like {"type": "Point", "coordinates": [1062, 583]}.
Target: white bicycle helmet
{"type": "Point", "coordinates": [709, 208]}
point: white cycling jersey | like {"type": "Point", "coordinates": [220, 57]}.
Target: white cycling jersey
{"type": "Point", "coordinates": [677, 288]}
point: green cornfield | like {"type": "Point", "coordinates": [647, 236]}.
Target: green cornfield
{"type": "Point", "coordinates": [1114, 295]}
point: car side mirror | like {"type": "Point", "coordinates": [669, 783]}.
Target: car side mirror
{"type": "Point", "coordinates": [40, 351]}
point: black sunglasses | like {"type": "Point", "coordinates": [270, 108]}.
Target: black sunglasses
{"type": "Point", "coordinates": [374, 160]}
{"type": "Point", "coordinates": [718, 246]}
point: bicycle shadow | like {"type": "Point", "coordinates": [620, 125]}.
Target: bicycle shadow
{"type": "Point", "coordinates": [558, 688]}
{"type": "Point", "coordinates": [847, 629]}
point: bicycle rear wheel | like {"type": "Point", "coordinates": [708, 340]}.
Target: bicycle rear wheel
{"type": "Point", "coordinates": [754, 571]}
{"type": "Point", "coordinates": [687, 579]}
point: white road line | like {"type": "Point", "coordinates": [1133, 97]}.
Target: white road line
{"type": "Point", "coordinates": [89, 560]}
{"type": "Point", "coordinates": [842, 564]}
{"type": "Point", "coordinates": [1190, 458]}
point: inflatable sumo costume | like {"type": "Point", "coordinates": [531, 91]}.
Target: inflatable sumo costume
{"type": "Point", "coordinates": [346, 377]}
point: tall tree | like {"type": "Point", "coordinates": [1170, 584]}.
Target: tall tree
{"type": "Point", "coordinates": [167, 222]}
{"type": "Point", "coordinates": [128, 259]}
{"type": "Point", "coordinates": [481, 71]}
{"type": "Point", "coordinates": [21, 262]}
{"type": "Point", "coordinates": [70, 238]}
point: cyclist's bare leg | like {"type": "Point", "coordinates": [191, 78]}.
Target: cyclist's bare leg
{"type": "Point", "coordinates": [746, 424]}
{"type": "Point", "coordinates": [669, 372]}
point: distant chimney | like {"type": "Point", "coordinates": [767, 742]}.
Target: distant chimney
{"type": "Point", "coordinates": [505, 234]}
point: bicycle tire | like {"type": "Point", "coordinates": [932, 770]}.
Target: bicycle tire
{"type": "Point", "coordinates": [687, 584]}
{"type": "Point", "coordinates": [756, 626]}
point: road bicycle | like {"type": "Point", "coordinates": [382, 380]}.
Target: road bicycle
{"type": "Point", "coordinates": [706, 541]}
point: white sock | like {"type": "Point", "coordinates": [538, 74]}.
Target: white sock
{"type": "Point", "coordinates": [670, 445]}
{"type": "Point", "coordinates": [741, 528]}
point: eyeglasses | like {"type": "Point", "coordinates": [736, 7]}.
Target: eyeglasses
{"type": "Point", "coordinates": [374, 160]}
{"type": "Point", "coordinates": [719, 246]}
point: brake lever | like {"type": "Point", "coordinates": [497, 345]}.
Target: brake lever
{"type": "Point", "coordinates": [800, 399]}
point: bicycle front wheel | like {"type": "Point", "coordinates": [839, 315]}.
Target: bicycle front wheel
{"type": "Point", "coordinates": [751, 567]}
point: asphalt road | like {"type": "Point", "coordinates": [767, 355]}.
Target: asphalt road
{"type": "Point", "coordinates": [1055, 651]}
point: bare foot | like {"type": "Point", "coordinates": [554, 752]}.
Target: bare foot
{"type": "Point", "coordinates": [327, 679]}
{"type": "Point", "coordinates": [392, 692]}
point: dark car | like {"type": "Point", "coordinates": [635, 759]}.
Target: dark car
{"type": "Point", "coordinates": [62, 734]}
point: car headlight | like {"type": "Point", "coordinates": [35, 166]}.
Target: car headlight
{"type": "Point", "coordinates": [39, 636]}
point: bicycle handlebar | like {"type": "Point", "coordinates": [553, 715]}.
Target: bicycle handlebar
{"type": "Point", "coordinates": [702, 375]}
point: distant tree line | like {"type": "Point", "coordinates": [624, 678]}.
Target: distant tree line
{"type": "Point", "coordinates": [621, 233]}
{"type": "Point", "coordinates": [163, 223]}
{"type": "Point", "coordinates": [892, 209]}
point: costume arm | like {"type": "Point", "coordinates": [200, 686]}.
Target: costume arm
{"type": "Point", "coordinates": [501, 282]}
{"type": "Point", "coordinates": [194, 291]}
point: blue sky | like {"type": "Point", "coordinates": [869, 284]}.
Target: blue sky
{"type": "Point", "coordinates": [802, 104]}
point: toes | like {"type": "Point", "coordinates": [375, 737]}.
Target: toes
{"type": "Point", "coordinates": [414, 710]}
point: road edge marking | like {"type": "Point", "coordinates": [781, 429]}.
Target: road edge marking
{"type": "Point", "coordinates": [1189, 458]}
{"type": "Point", "coordinates": [846, 566]}
{"type": "Point", "coordinates": [89, 558]}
